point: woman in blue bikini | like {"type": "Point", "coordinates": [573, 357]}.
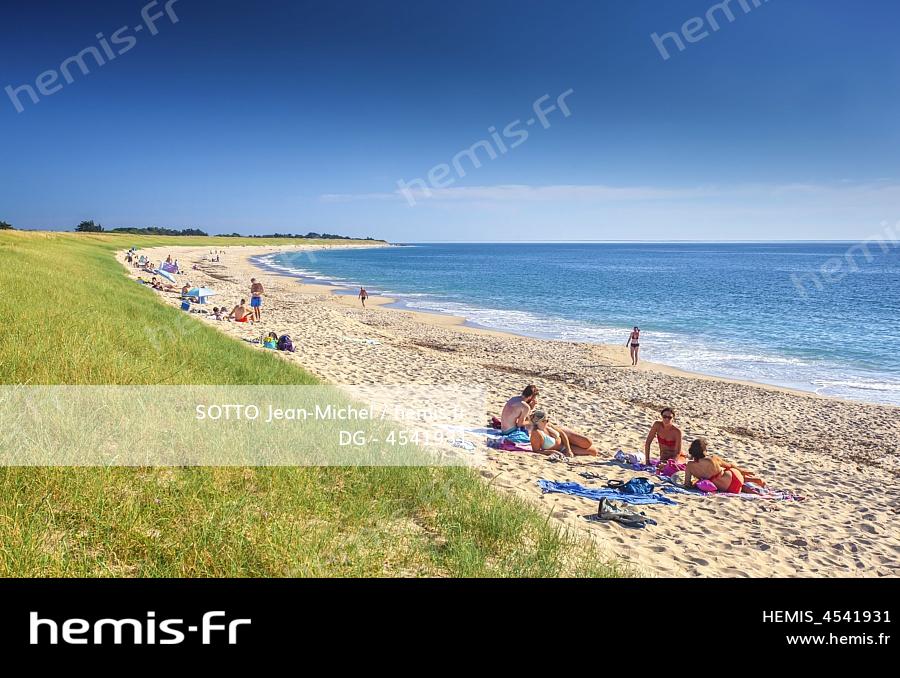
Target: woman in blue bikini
{"type": "Point", "coordinates": [547, 439]}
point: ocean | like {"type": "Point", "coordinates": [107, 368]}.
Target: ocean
{"type": "Point", "coordinates": [820, 317]}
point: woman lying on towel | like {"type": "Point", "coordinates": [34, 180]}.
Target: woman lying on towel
{"type": "Point", "coordinates": [547, 439]}
{"type": "Point", "coordinates": [726, 477]}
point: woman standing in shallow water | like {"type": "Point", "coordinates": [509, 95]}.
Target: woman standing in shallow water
{"type": "Point", "coordinates": [634, 341]}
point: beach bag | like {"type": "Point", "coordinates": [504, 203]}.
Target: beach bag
{"type": "Point", "coordinates": [285, 343]}
{"type": "Point", "coordinates": [706, 486]}
{"type": "Point", "coordinates": [636, 486]}
{"type": "Point", "coordinates": [671, 468]}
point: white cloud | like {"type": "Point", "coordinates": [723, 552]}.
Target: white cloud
{"type": "Point", "coordinates": [521, 192]}
{"type": "Point", "coordinates": [603, 194]}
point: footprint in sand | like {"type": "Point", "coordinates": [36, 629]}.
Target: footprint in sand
{"type": "Point", "coordinates": [866, 527]}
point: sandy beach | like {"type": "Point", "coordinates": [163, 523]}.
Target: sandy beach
{"type": "Point", "coordinates": [841, 456]}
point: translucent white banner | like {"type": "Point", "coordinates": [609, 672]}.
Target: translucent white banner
{"type": "Point", "coordinates": [368, 425]}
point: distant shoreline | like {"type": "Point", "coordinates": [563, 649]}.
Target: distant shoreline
{"type": "Point", "coordinates": [445, 319]}
{"type": "Point", "coordinates": [449, 319]}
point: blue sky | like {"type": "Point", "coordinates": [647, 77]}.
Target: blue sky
{"type": "Point", "coordinates": [300, 116]}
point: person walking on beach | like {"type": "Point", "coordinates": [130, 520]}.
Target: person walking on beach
{"type": "Point", "coordinates": [634, 342]}
{"type": "Point", "coordinates": [668, 436]}
{"type": "Point", "coordinates": [363, 295]}
{"type": "Point", "coordinates": [256, 292]}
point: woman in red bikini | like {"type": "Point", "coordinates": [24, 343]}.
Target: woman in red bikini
{"type": "Point", "coordinates": [667, 435]}
{"type": "Point", "coordinates": [726, 478]}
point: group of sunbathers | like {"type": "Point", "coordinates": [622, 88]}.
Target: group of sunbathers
{"type": "Point", "coordinates": [158, 284]}
{"type": "Point", "coordinates": [521, 413]}
{"type": "Point", "coordinates": [241, 313]}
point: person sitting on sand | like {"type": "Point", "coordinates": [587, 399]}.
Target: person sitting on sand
{"type": "Point", "coordinates": [546, 439]}
{"type": "Point", "coordinates": [240, 313]}
{"type": "Point", "coordinates": [668, 436]}
{"type": "Point", "coordinates": [541, 425]}
{"type": "Point", "coordinates": [517, 410]}
{"type": "Point", "coordinates": [725, 477]}
{"type": "Point", "coordinates": [217, 312]}
{"type": "Point", "coordinates": [516, 413]}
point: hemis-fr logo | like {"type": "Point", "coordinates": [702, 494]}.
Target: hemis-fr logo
{"type": "Point", "coordinates": [213, 629]}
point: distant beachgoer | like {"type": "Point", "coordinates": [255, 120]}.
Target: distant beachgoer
{"type": "Point", "coordinates": [256, 292]}
{"type": "Point", "coordinates": [217, 314]}
{"type": "Point", "coordinates": [241, 313]}
{"type": "Point", "coordinates": [169, 259]}
{"type": "Point", "coordinates": [363, 295]}
{"type": "Point", "coordinates": [725, 477]}
{"type": "Point", "coordinates": [668, 436]}
{"type": "Point", "coordinates": [634, 341]}
{"type": "Point", "coordinates": [516, 412]}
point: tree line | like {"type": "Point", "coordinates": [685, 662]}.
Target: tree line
{"type": "Point", "coordinates": [91, 227]}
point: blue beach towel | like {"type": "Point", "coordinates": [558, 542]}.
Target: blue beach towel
{"type": "Point", "coordinates": [519, 436]}
{"type": "Point", "coordinates": [775, 495]}
{"type": "Point", "coordinates": [603, 493]}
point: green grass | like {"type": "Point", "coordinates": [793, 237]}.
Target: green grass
{"type": "Point", "coordinates": [72, 317]}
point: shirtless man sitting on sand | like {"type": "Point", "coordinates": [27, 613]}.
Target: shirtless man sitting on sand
{"type": "Point", "coordinates": [240, 313]}
{"type": "Point", "coordinates": [517, 411]}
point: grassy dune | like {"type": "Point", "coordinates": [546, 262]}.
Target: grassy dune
{"type": "Point", "coordinates": [72, 317]}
